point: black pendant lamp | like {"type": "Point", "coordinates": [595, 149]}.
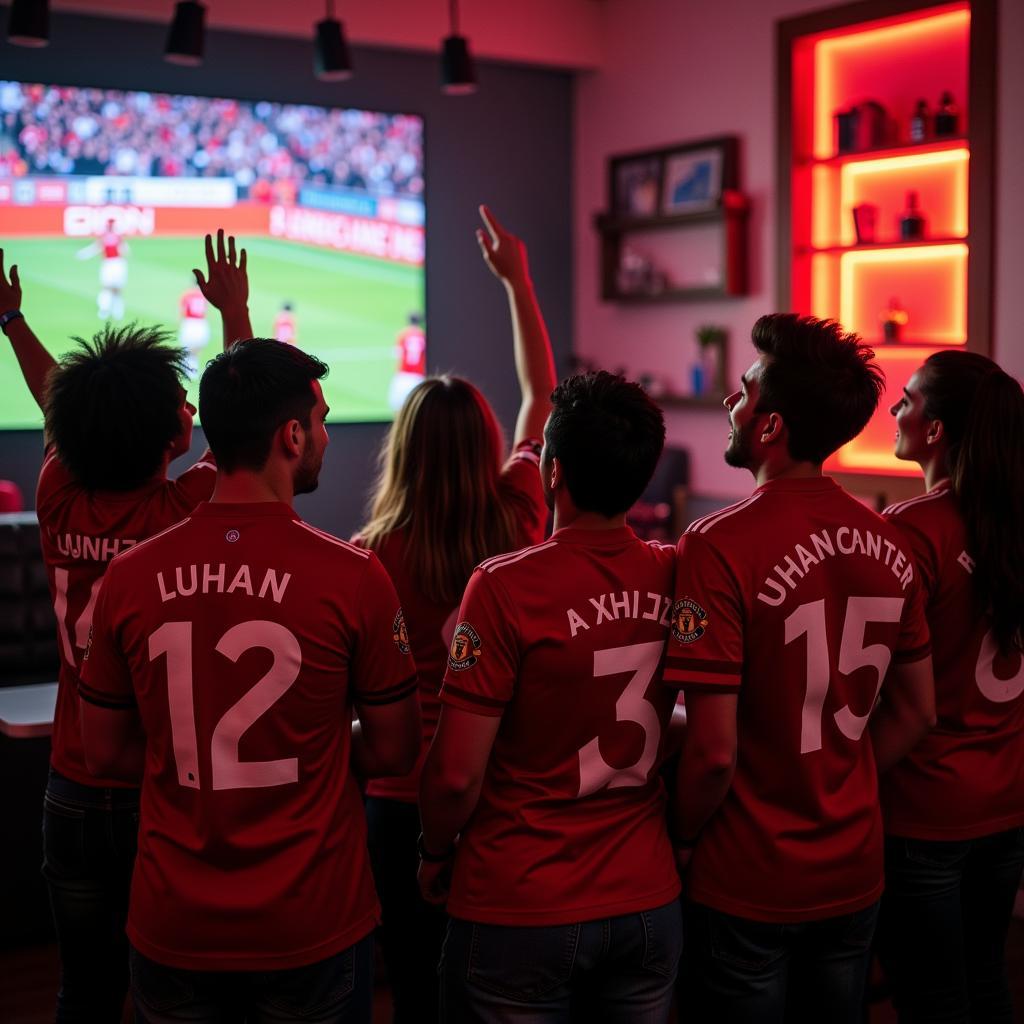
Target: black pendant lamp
{"type": "Point", "coordinates": [332, 61]}
{"type": "Point", "coordinates": [458, 73]}
{"type": "Point", "coordinates": [187, 34]}
{"type": "Point", "coordinates": [29, 23]}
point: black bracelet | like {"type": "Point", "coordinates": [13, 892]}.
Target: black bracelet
{"type": "Point", "coordinates": [6, 318]}
{"type": "Point", "coordinates": [433, 858]}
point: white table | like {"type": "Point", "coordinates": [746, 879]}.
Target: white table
{"type": "Point", "coordinates": [27, 711]}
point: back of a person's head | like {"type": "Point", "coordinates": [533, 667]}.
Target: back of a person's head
{"type": "Point", "coordinates": [250, 390]}
{"type": "Point", "coordinates": [608, 436]}
{"type": "Point", "coordinates": [113, 406]}
{"type": "Point", "coordinates": [820, 379]}
{"type": "Point", "coordinates": [981, 408]}
{"type": "Point", "coordinates": [439, 477]}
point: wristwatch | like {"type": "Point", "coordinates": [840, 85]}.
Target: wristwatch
{"type": "Point", "coordinates": [6, 318]}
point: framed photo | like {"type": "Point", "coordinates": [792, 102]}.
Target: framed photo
{"type": "Point", "coordinates": [693, 180]}
{"type": "Point", "coordinates": [636, 185]}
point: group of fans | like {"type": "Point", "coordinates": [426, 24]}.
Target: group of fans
{"type": "Point", "coordinates": [50, 129]}
{"type": "Point", "coordinates": [570, 776]}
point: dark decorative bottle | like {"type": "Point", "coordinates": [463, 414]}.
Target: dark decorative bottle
{"type": "Point", "coordinates": [946, 116]}
{"type": "Point", "coordinates": [911, 221]}
{"type": "Point", "coordinates": [919, 122]}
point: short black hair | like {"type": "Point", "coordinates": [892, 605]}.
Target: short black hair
{"type": "Point", "coordinates": [112, 405]}
{"type": "Point", "coordinates": [249, 391]}
{"type": "Point", "coordinates": [822, 381]}
{"type": "Point", "coordinates": [608, 436]}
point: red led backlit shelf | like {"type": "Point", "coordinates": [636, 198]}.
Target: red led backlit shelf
{"type": "Point", "coordinates": [894, 52]}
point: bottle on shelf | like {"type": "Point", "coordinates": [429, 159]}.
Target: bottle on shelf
{"type": "Point", "coordinates": [893, 321]}
{"type": "Point", "coordinates": [946, 116]}
{"type": "Point", "coordinates": [911, 220]}
{"type": "Point", "coordinates": [919, 122]}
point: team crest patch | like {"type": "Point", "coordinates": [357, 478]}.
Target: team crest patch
{"type": "Point", "coordinates": [689, 621]}
{"type": "Point", "coordinates": [400, 633]}
{"type": "Point", "coordinates": [465, 650]}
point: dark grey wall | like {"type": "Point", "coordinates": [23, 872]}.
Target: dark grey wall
{"type": "Point", "coordinates": [509, 145]}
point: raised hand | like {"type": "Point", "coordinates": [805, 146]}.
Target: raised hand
{"type": "Point", "coordinates": [226, 283]}
{"type": "Point", "coordinates": [502, 251]}
{"type": "Point", "coordinates": [10, 290]}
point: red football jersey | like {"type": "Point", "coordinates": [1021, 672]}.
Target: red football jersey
{"type": "Point", "coordinates": [80, 532]}
{"type": "Point", "coordinates": [966, 777]}
{"type": "Point", "coordinates": [111, 243]}
{"type": "Point", "coordinates": [193, 305]}
{"type": "Point", "coordinates": [412, 351]}
{"type": "Point", "coordinates": [432, 625]}
{"type": "Point", "coordinates": [245, 637]}
{"type": "Point", "coordinates": [797, 598]}
{"type": "Point", "coordinates": [565, 641]}
{"type": "Point", "coordinates": [284, 328]}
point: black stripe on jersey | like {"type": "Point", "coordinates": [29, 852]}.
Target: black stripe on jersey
{"type": "Point", "coordinates": [474, 698]}
{"type": "Point", "coordinates": [702, 665]}
{"type": "Point", "coordinates": [103, 700]}
{"type": "Point", "coordinates": [391, 695]}
{"type": "Point", "coordinates": [904, 657]}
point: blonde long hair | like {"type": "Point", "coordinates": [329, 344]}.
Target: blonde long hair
{"type": "Point", "coordinates": [440, 481]}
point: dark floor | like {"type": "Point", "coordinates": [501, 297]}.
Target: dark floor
{"type": "Point", "coordinates": [28, 985]}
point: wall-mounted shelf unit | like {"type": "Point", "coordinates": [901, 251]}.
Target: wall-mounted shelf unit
{"type": "Point", "coordinates": [895, 53]}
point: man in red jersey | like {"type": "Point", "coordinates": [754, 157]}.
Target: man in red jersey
{"type": "Point", "coordinates": [116, 416]}
{"type": "Point", "coordinates": [228, 654]}
{"type": "Point", "coordinates": [411, 349]}
{"type": "Point", "coordinates": [790, 608]}
{"type": "Point", "coordinates": [544, 768]}
{"type": "Point", "coordinates": [193, 329]}
{"type": "Point", "coordinates": [113, 271]}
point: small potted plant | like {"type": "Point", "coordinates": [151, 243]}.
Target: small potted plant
{"type": "Point", "coordinates": [708, 373]}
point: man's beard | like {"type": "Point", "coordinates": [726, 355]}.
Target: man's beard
{"type": "Point", "coordinates": [307, 474]}
{"type": "Point", "coordinates": [738, 453]}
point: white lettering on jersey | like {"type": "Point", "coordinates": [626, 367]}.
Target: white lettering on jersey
{"type": "Point", "coordinates": [210, 578]}
{"type": "Point", "coordinates": [847, 540]}
{"type": "Point", "coordinates": [95, 549]}
{"type": "Point", "coordinates": [623, 604]}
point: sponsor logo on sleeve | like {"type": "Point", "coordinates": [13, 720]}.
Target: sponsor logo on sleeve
{"type": "Point", "coordinates": [400, 633]}
{"type": "Point", "coordinates": [465, 650]}
{"type": "Point", "coordinates": [689, 621]}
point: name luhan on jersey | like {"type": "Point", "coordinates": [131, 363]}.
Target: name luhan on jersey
{"type": "Point", "coordinates": [848, 541]}
{"type": "Point", "coordinates": [208, 578]}
{"type": "Point", "coordinates": [629, 604]}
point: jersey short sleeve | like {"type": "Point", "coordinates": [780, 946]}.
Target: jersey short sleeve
{"type": "Point", "coordinates": [483, 662]}
{"type": "Point", "coordinates": [105, 679]}
{"type": "Point", "coordinates": [196, 483]}
{"type": "Point", "coordinates": [523, 490]}
{"type": "Point", "coordinates": [382, 669]}
{"type": "Point", "coordinates": [915, 637]}
{"type": "Point", "coordinates": [705, 646]}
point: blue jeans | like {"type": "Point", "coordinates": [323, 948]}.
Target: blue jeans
{"type": "Point", "coordinates": [619, 969]}
{"type": "Point", "coordinates": [412, 929]}
{"type": "Point", "coordinates": [338, 990]}
{"type": "Point", "coordinates": [89, 841]}
{"type": "Point", "coordinates": [942, 934]}
{"type": "Point", "coordinates": [738, 971]}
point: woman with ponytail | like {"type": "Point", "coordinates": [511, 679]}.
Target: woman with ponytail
{"type": "Point", "coordinates": [444, 501]}
{"type": "Point", "coordinates": [954, 808]}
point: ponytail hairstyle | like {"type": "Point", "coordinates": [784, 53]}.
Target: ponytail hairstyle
{"type": "Point", "coordinates": [981, 409]}
{"type": "Point", "coordinates": [440, 481]}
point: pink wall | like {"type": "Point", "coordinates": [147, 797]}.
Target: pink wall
{"type": "Point", "coordinates": [675, 71]}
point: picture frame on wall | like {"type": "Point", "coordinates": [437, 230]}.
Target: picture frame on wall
{"type": "Point", "coordinates": [636, 185]}
{"type": "Point", "coordinates": [692, 179]}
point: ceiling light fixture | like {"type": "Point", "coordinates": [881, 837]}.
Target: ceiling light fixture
{"type": "Point", "coordinates": [29, 23]}
{"type": "Point", "coordinates": [458, 74]}
{"type": "Point", "coordinates": [332, 61]}
{"type": "Point", "coordinates": [187, 34]}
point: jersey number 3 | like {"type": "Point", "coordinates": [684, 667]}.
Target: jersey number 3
{"type": "Point", "coordinates": [641, 661]}
{"type": "Point", "coordinates": [174, 640]}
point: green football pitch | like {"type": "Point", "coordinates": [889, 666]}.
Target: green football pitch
{"type": "Point", "coordinates": [348, 309]}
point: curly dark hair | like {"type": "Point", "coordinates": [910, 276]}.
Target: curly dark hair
{"type": "Point", "coordinates": [112, 405]}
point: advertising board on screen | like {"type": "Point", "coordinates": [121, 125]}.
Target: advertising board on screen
{"type": "Point", "coordinates": [105, 196]}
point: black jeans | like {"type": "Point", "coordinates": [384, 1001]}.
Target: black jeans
{"type": "Point", "coordinates": [751, 972]}
{"type": "Point", "coordinates": [942, 934]}
{"type": "Point", "coordinates": [618, 970]}
{"type": "Point", "coordinates": [412, 929]}
{"type": "Point", "coordinates": [337, 990]}
{"type": "Point", "coordinates": [89, 840]}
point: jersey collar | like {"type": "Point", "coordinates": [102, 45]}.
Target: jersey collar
{"type": "Point", "coordinates": [248, 509]}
